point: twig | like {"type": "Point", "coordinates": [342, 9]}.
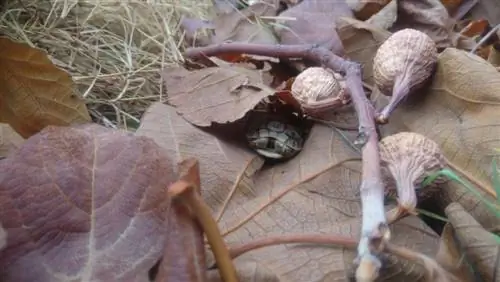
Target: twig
{"type": "Point", "coordinates": [485, 38]}
{"type": "Point", "coordinates": [434, 271]}
{"type": "Point", "coordinates": [464, 9]}
{"type": "Point", "coordinates": [374, 223]}
{"type": "Point", "coordinates": [293, 239]}
{"type": "Point", "coordinates": [185, 191]}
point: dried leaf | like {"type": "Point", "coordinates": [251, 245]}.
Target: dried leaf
{"type": "Point", "coordinates": [3, 237]}
{"type": "Point", "coordinates": [221, 163]}
{"type": "Point", "coordinates": [461, 112]}
{"type": "Point", "coordinates": [226, 6]}
{"type": "Point", "coordinates": [361, 41]}
{"type": "Point", "coordinates": [325, 204]}
{"type": "Point", "coordinates": [35, 92]}
{"type": "Point", "coordinates": [248, 270]}
{"type": "Point", "coordinates": [364, 9]}
{"type": "Point", "coordinates": [429, 16]}
{"type": "Point", "coordinates": [10, 140]}
{"type": "Point", "coordinates": [450, 254]}
{"type": "Point", "coordinates": [84, 203]}
{"type": "Point", "coordinates": [475, 28]}
{"type": "Point", "coordinates": [246, 25]}
{"type": "Point", "coordinates": [214, 95]}
{"type": "Point", "coordinates": [480, 246]}
{"type": "Point", "coordinates": [451, 5]}
{"type": "Point", "coordinates": [386, 17]}
{"type": "Point", "coordinates": [313, 22]}
{"type": "Point", "coordinates": [312, 207]}
{"type": "Point", "coordinates": [193, 31]}
{"type": "Point", "coordinates": [494, 54]}
{"type": "Point", "coordinates": [325, 201]}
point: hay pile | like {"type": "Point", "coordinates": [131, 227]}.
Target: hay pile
{"type": "Point", "coordinates": [113, 49]}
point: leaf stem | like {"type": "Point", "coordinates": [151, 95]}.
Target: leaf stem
{"type": "Point", "coordinates": [188, 193]}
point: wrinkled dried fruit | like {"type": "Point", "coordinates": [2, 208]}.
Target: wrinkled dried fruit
{"type": "Point", "coordinates": [407, 158]}
{"type": "Point", "coordinates": [319, 89]}
{"type": "Point", "coordinates": [402, 64]}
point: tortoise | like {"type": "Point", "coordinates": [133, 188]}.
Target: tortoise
{"type": "Point", "coordinates": [275, 139]}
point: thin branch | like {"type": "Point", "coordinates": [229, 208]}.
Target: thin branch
{"type": "Point", "coordinates": [374, 223]}
{"type": "Point", "coordinates": [434, 271]}
{"type": "Point", "coordinates": [331, 240]}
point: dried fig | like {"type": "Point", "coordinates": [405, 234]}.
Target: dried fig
{"type": "Point", "coordinates": [319, 90]}
{"type": "Point", "coordinates": [406, 159]}
{"type": "Point", "coordinates": [403, 64]}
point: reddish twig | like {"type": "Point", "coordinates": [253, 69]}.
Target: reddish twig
{"type": "Point", "coordinates": [434, 271]}
{"type": "Point", "coordinates": [331, 240]}
{"type": "Point", "coordinates": [374, 223]}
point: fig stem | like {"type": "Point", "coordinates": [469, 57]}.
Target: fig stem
{"type": "Point", "coordinates": [400, 91]}
{"type": "Point", "coordinates": [188, 193]}
{"type": "Point", "coordinates": [372, 188]}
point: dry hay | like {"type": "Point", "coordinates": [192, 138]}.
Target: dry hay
{"type": "Point", "coordinates": [113, 49]}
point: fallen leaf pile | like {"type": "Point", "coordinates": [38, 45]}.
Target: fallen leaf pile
{"type": "Point", "coordinates": [82, 202]}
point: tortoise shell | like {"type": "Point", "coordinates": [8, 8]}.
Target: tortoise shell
{"type": "Point", "coordinates": [275, 139]}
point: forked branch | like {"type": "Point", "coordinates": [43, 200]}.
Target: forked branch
{"type": "Point", "coordinates": [374, 223]}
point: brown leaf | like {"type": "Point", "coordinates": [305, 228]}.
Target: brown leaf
{"type": "Point", "coordinates": [225, 6]}
{"type": "Point", "coordinates": [191, 265]}
{"type": "Point", "coordinates": [10, 140]}
{"type": "Point", "coordinates": [3, 237]}
{"type": "Point", "coordinates": [386, 17]}
{"type": "Point", "coordinates": [364, 9]}
{"type": "Point", "coordinates": [216, 94]}
{"type": "Point", "coordinates": [248, 270]}
{"type": "Point", "coordinates": [460, 111]}
{"type": "Point", "coordinates": [450, 254]}
{"type": "Point", "coordinates": [480, 246]}
{"type": "Point", "coordinates": [35, 92]}
{"type": "Point", "coordinates": [84, 203]}
{"type": "Point", "coordinates": [451, 5]}
{"type": "Point", "coordinates": [361, 41]}
{"type": "Point", "coordinates": [194, 31]}
{"type": "Point", "coordinates": [475, 28]}
{"type": "Point", "coordinates": [246, 25]}
{"type": "Point", "coordinates": [221, 163]}
{"type": "Point", "coordinates": [326, 204]}
{"type": "Point", "coordinates": [429, 16]}
{"type": "Point", "coordinates": [313, 22]}
{"type": "Point", "coordinates": [325, 200]}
